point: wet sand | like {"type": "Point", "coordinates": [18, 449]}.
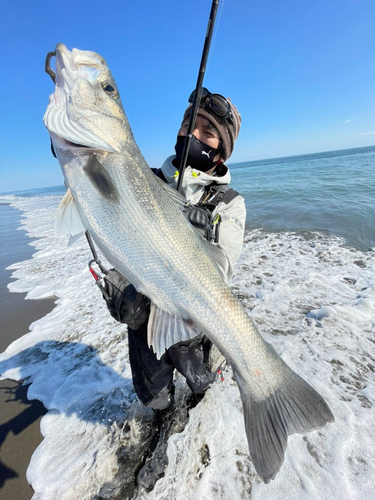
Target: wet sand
{"type": "Point", "coordinates": [19, 417]}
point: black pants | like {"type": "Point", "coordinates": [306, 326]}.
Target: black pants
{"type": "Point", "coordinates": [153, 378]}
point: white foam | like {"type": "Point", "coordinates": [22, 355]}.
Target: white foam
{"type": "Point", "coordinates": [311, 297]}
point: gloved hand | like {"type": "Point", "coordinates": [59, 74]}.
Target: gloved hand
{"type": "Point", "coordinates": [201, 219]}
{"type": "Point", "coordinates": [124, 303]}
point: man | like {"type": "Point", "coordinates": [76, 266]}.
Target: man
{"type": "Point", "coordinates": [219, 215]}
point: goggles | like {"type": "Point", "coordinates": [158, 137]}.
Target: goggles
{"type": "Point", "coordinates": [216, 102]}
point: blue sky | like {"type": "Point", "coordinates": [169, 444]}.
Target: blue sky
{"type": "Point", "coordinates": [301, 73]}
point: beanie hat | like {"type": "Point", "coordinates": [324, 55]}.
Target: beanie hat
{"type": "Point", "coordinates": [228, 129]}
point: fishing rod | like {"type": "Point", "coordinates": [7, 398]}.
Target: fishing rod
{"type": "Point", "coordinates": [198, 89]}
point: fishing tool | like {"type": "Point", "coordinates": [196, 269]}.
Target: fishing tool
{"type": "Point", "coordinates": [97, 277]}
{"type": "Point", "coordinates": [198, 90]}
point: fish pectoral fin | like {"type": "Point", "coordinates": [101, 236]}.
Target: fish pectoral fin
{"type": "Point", "coordinates": [68, 219]}
{"type": "Point", "coordinates": [165, 329]}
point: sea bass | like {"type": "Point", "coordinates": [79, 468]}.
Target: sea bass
{"type": "Point", "coordinates": [138, 223]}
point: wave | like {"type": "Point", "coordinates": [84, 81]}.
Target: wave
{"type": "Point", "coordinates": [310, 295]}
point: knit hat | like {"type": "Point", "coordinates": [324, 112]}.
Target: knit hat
{"type": "Point", "coordinates": [228, 130]}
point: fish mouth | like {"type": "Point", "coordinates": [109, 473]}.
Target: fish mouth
{"type": "Point", "coordinates": [66, 144]}
{"type": "Point", "coordinates": [57, 118]}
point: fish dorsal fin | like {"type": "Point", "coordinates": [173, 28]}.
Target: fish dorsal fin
{"type": "Point", "coordinates": [165, 330]}
{"type": "Point", "coordinates": [216, 254]}
{"type": "Point", "coordinates": [68, 219]}
{"type": "Point", "coordinates": [176, 196]}
{"type": "Point", "coordinates": [214, 251]}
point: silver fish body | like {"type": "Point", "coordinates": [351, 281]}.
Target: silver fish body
{"type": "Point", "coordinates": [138, 224]}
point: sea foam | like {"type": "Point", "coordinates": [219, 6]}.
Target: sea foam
{"type": "Point", "coordinates": [310, 296]}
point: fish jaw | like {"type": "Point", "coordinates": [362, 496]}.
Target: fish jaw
{"type": "Point", "coordinates": [80, 110]}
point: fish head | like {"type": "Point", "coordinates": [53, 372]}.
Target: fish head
{"type": "Point", "coordinates": [85, 108]}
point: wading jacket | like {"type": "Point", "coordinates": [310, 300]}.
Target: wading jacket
{"type": "Point", "coordinates": [230, 213]}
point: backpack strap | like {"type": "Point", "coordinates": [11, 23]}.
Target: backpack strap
{"type": "Point", "coordinates": [212, 196]}
{"type": "Point", "coordinates": [229, 195]}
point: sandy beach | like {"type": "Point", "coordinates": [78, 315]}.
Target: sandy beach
{"type": "Point", "coordinates": [19, 417]}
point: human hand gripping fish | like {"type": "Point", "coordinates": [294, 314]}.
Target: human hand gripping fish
{"type": "Point", "coordinates": [137, 221]}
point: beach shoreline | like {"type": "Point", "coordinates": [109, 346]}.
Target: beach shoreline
{"type": "Point", "coordinates": [19, 418]}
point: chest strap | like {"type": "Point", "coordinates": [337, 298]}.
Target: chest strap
{"type": "Point", "coordinates": [215, 194]}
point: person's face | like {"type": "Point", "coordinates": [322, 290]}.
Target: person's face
{"type": "Point", "coordinates": [204, 131]}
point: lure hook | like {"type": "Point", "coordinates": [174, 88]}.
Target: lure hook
{"type": "Point", "coordinates": [48, 68]}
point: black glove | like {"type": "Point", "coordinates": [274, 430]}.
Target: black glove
{"type": "Point", "coordinates": [124, 303]}
{"type": "Point", "coordinates": [201, 219]}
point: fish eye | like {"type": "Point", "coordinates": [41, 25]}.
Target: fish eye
{"type": "Point", "coordinates": [109, 89]}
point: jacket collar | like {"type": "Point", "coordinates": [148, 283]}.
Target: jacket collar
{"type": "Point", "coordinates": [193, 176]}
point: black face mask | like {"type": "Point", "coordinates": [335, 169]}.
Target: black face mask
{"type": "Point", "coordinates": [200, 155]}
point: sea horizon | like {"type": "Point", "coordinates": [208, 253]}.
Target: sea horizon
{"type": "Point", "coordinates": [230, 165]}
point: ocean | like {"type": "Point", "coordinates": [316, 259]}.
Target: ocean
{"type": "Point", "coordinates": [329, 192]}
{"type": "Point", "coordinates": [306, 277]}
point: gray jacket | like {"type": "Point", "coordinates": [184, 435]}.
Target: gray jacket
{"type": "Point", "coordinates": [230, 230]}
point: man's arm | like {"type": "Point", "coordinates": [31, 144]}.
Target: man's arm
{"type": "Point", "coordinates": [229, 234]}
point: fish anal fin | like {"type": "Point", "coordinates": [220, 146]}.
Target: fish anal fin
{"type": "Point", "coordinates": [165, 329]}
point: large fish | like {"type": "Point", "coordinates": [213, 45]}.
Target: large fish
{"type": "Point", "coordinates": [137, 221]}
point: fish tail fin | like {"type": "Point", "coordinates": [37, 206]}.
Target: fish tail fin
{"type": "Point", "coordinates": [295, 407]}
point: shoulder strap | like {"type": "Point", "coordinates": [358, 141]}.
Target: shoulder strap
{"type": "Point", "coordinates": [229, 195]}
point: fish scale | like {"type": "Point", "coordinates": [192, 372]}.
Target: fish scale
{"type": "Point", "coordinates": [138, 223]}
